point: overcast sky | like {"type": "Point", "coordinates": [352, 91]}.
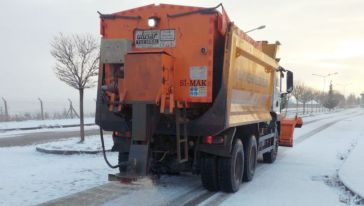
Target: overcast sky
{"type": "Point", "coordinates": [317, 36]}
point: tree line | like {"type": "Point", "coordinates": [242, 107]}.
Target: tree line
{"type": "Point", "coordinates": [330, 99]}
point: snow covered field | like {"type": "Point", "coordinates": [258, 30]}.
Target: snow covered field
{"type": "Point", "coordinates": [43, 123]}
{"type": "Point", "coordinates": [55, 130]}
{"type": "Point", "coordinates": [60, 125]}
{"type": "Point", "coordinates": [302, 175]}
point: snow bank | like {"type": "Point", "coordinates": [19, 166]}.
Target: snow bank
{"type": "Point", "coordinates": [92, 144]}
{"type": "Point", "coordinates": [55, 130]}
{"type": "Point", "coordinates": [352, 171]}
{"type": "Point", "coordinates": [43, 123]}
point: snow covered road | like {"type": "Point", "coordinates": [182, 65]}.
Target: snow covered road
{"type": "Point", "coordinates": [297, 177]}
{"type": "Point", "coordinates": [300, 176]}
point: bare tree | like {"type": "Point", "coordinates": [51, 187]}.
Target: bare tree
{"type": "Point", "coordinates": [316, 96]}
{"type": "Point", "coordinates": [307, 95]}
{"type": "Point", "coordinates": [77, 59]}
{"type": "Point", "coordinates": [351, 100]}
{"type": "Point", "coordinates": [297, 92]}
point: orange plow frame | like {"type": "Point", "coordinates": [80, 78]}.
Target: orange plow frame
{"type": "Point", "coordinates": [287, 130]}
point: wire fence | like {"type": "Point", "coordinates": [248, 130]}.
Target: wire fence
{"type": "Point", "coordinates": [38, 109]}
{"type": "Point", "coordinates": [300, 109]}
{"type": "Point", "coordinates": [308, 109]}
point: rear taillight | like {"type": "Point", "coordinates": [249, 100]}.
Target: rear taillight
{"type": "Point", "coordinates": [126, 134]}
{"type": "Point", "coordinates": [214, 139]}
{"type": "Point", "coordinates": [209, 139]}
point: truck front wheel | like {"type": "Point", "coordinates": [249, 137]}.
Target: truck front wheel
{"type": "Point", "coordinates": [231, 169]}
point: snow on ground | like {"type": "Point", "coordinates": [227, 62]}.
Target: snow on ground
{"type": "Point", "coordinates": [56, 130]}
{"type": "Point", "coordinates": [29, 177]}
{"type": "Point", "coordinates": [296, 178]}
{"type": "Point", "coordinates": [352, 171]}
{"type": "Point", "coordinates": [167, 189]}
{"type": "Point", "coordinates": [43, 123]}
{"type": "Point", "coordinates": [92, 143]}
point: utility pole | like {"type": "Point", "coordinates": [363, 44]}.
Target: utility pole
{"type": "Point", "coordinates": [41, 108]}
{"type": "Point", "coordinates": [6, 109]}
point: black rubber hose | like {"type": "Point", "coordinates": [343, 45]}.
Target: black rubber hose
{"type": "Point", "coordinates": [104, 152]}
{"type": "Point", "coordinates": [103, 144]}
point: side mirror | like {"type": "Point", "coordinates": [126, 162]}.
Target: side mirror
{"type": "Point", "coordinates": [289, 81]}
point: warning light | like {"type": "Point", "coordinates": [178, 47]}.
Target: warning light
{"type": "Point", "coordinates": [153, 21]}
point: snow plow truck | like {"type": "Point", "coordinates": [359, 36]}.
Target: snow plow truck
{"type": "Point", "coordinates": [185, 90]}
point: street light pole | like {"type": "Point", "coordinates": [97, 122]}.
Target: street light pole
{"type": "Point", "coordinates": [324, 78]}
{"type": "Point", "coordinates": [258, 28]}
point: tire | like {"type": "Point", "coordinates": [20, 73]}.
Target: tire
{"type": "Point", "coordinates": [251, 153]}
{"type": "Point", "coordinates": [231, 169]}
{"type": "Point", "coordinates": [270, 157]}
{"type": "Point", "coordinates": [209, 173]}
{"type": "Point", "coordinates": [123, 157]}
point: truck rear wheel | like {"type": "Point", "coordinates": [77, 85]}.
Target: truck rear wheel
{"type": "Point", "coordinates": [271, 156]}
{"type": "Point", "coordinates": [250, 149]}
{"type": "Point", "coordinates": [209, 173]}
{"type": "Point", "coordinates": [231, 169]}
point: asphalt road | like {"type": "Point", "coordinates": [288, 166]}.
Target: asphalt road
{"type": "Point", "coordinates": [41, 137]}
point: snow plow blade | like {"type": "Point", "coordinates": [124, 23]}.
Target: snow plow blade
{"type": "Point", "coordinates": [287, 130]}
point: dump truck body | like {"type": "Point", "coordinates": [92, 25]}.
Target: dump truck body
{"type": "Point", "coordinates": [181, 85]}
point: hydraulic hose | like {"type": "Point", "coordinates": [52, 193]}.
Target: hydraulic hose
{"type": "Point", "coordinates": [103, 144]}
{"type": "Point", "coordinates": [104, 152]}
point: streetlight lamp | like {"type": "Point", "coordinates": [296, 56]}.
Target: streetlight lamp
{"type": "Point", "coordinates": [324, 78]}
{"type": "Point", "coordinates": [258, 28]}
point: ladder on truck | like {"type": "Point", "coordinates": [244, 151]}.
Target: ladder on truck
{"type": "Point", "coordinates": [182, 140]}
